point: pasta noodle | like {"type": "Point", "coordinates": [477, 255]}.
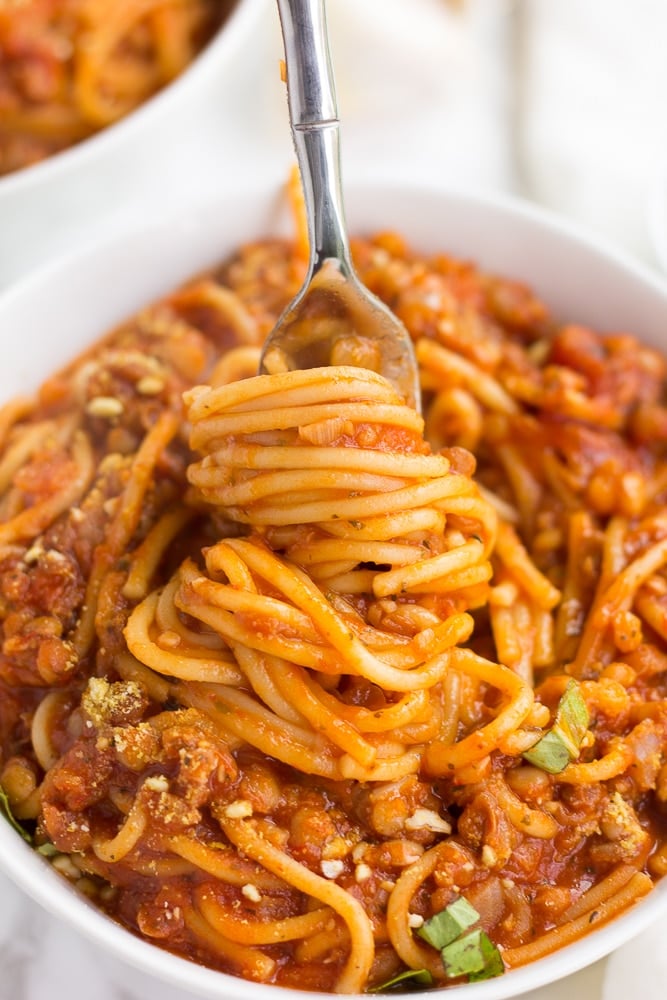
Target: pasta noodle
{"type": "Point", "coordinates": [69, 68]}
{"type": "Point", "coordinates": [287, 671]}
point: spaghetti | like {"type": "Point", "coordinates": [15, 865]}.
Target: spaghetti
{"type": "Point", "coordinates": [69, 68]}
{"type": "Point", "coordinates": [287, 673]}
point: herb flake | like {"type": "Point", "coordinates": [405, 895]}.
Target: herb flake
{"type": "Point", "coordinates": [445, 926]}
{"type": "Point", "coordinates": [416, 977]}
{"type": "Point", "coordinates": [6, 811]}
{"type": "Point", "coordinates": [562, 743]}
{"type": "Point", "coordinates": [473, 955]}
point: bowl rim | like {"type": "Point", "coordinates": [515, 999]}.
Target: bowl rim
{"type": "Point", "coordinates": [34, 875]}
{"type": "Point", "coordinates": [222, 44]}
{"type": "Point", "coordinates": [362, 183]}
{"type": "Point", "coordinates": [48, 889]}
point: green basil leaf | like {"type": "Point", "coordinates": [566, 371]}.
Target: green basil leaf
{"type": "Point", "coordinates": [6, 810]}
{"type": "Point", "coordinates": [419, 977]}
{"type": "Point", "coordinates": [448, 924]}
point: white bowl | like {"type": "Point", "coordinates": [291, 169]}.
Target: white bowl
{"type": "Point", "coordinates": [48, 318]}
{"type": "Point", "coordinates": [656, 215]}
{"type": "Point", "coordinates": [52, 206]}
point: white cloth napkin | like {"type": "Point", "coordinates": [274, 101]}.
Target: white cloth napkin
{"type": "Point", "coordinates": [591, 137]}
{"type": "Point", "coordinates": [639, 968]}
{"type": "Point", "coordinates": [423, 88]}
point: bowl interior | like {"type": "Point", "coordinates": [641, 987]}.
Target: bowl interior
{"type": "Point", "coordinates": [48, 318]}
{"type": "Point", "coordinates": [81, 295]}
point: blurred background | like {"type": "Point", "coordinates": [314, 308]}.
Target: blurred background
{"type": "Point", "coordinates": [558, 101]}
{"type": "Point", "coordinates": [561, 102]}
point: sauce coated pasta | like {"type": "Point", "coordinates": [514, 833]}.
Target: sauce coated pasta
{"type": "Point", "coordinates": [321, 693]}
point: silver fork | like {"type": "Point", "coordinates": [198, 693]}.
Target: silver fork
{"type": "Point", "coordinates": [334, 319]}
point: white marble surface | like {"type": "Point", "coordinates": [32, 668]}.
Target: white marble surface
{"type": "Point", "coordinates": [562, 102]}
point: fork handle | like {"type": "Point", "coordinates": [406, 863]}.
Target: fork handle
{"type": "Point", "coordinates": [311, 96]}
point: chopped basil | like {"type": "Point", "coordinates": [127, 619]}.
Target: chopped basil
{"type": "Point", "coordinates": [420, 977]}
{"type": "Point", "coordinates": [463, 957]}
{"type": "Point", "coordinates": [562, 743]}
{"type": "Point", "coordinates": [549, 754]}
{"type": "Point", "coordinates": [6, 810]}
{"type": "Point", "coordinates": [445, 926]}
{"type": "Point", "coordinates": [473, 955]}
{"type": "Point", "coordinates": [493, 963]}
{"type": "Point", "coordinates": [572, 718]}
{"type": "Point", "coordinates": [48, 850]}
